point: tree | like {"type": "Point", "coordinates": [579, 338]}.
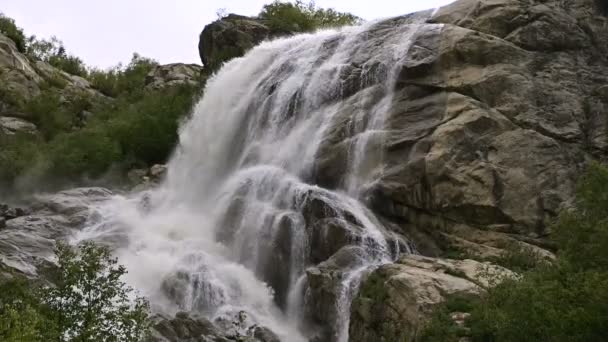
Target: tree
{"type": "Point", "coordinates": [21, 314]}
{"type": "Point", "coordinates": [90, 301]}
{"type": "Point", "coordinates": [303, 17]}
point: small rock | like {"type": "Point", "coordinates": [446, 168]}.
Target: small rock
{"type": "Point", "coordinates": [157, 172]}
{"type": "Point", "coordinates": [459, 318]}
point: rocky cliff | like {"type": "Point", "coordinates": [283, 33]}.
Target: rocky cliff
{"type": "Point", "coordinates": [22, 79]}
{"type": "Point", "coordinates": [500, 110]}
{"type": "Point", "coordinates": [493, 115]}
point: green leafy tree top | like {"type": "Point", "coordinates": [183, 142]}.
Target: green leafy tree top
{"type": "Point", "coordinates": [299, 16]}
{"type": "Point", "coordinates": [91, 301]}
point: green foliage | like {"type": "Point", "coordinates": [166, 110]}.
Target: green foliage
{"type": "Point", "coordinates": [88, 152]}
{"type": "Point", "coordinates": [582, 233]}
{"type": "Point", "coordinates": [18, 153]}
{"type": "Point", "coordinates": [442, 328]}
{"type": "Point", "coordinates": [88, 302]}
{"type": "Point", "coordinates": [125, 81]}
{"type": "Point", "coordinates": [84, 137]}
{"type": "Point", "coordinates": [23, 316]}
{"type": "Point", "coordinates": [12, 31]}
{"type": "Point", "coordinates": [53, 52]}
{"type": "Point", "coordinates": [303, 17]}
{"type": "Point", "coordinates": [519, 258]}
{"type": "Point", "coordinates": [123, 134]}
{"type": "Point", "coordinates": [565, 300]}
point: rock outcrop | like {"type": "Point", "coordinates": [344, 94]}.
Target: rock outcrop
{"type": "Point", "coordinates": [28, 235]}
{"type": "Point", "coordinates": [395, 300]}
{"type": "Point", "coordinates": [185, 328]}
{"type": "Point", "coordinates": [230, 37]}
{"type": "Point", "coordinates": [497, 109]}
{"type": "Point", "coordinates": [22, 79]}
{"type": "Point", "coordinates": [174, 74]}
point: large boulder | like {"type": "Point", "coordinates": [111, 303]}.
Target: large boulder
{"type": "Point", "coordinates": [395, 300]}
{"type": "Point", "coordinates": [29, 235]}
{"type": "Point", "coordinates": [230, 37]}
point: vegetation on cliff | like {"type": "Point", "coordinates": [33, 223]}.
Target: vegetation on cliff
{"type": "Point", "coordinates": [83, 136]}
{"type": "Point", "coordinates": [300, 16]}
{"type": "Point", "coordinates": [563, 300]}
{"type": "Point", "coordinates": [88, 302]}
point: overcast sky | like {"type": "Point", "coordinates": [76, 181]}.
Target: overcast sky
{"type": "Point", "coordinates": [106, 32]}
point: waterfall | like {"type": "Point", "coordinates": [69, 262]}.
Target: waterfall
{"type": "Point", "coordinates": [247, 206]}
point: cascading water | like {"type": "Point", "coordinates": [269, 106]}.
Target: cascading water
{"type": "Point", "coordinates": [239, 218]}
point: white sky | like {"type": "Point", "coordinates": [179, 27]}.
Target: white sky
{"type": "Point", "coordinates": [105, 32]}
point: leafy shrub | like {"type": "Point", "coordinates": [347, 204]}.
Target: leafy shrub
{"type": "Point", "coordinates": [53, 52]}
{"type": "Point", "coordinates": [147, 131]}
{"type": "Point", "coordinates": [120, 135]}
{"type": "Point", "coordinates": [88, 152]}
{"type": "Point", "coordinates": [519, 258]}
{"type": "Point", "coordinates": [89, 302]}
{"type": "Point", "coordinates": [126, 81]}
{"type": "Point", "coordinates": [303, 17]}
{"type": "Point", "coordinates": [566, 300]}
{"type": "Point", "coordinates": [12, 31]}
{"type": "Point", "coordinates": [18, 154]}
{"type": "Point", "coordinates": [49, 114]}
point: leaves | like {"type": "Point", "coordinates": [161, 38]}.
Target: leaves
{"type": "Point", "coordinates": [303, 17]}
{"type": "Point", "coordinates": [89, 302]}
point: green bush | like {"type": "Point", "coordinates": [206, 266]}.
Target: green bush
{"type": "Point", "coordinates": [88, 302]}
{"type": "Point", "coordinates": [18, 154]}
{"type": "Point", "coordinates": [12, 31]}
{"type": "Point", "coordinates": [565, 300]}
{"type": "Point", "coordinates": [88, 152]}
{"type": "Point", "coordinates": [303, 17]}
{"type": "Point", "coordinates": [147, 130]}
{"type": "Point", "coordinates": [124, 81]}
{"type": "Point", "coordinates": [120, 135]}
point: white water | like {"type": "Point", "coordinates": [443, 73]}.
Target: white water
{"type": "Point", "coordinates": [212, 236]}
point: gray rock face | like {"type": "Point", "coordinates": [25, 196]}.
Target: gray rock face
{"type": "Point", "coordinates": [174, 74]}
{"type": "Point", "coordinates": [395, 300]}
{"type": "Point", "coordinates": [10, 126]}
{"type": "Point", "coordinates": [28, 237]}
{"type": "Point", "coordinates": [492, 121]}
{"type": "Point", "coordinates": [22, 79]}
{"type": "Point", "coordinates": [230, 37]}
{"type": "Point", "coordinates": [186, 328]}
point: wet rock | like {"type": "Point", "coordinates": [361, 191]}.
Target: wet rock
{"type": "Point", "coordinates": [395, 300]}
{"type": "Point", "coordinates": [184, 328]}
{"type": "Point", "coordinates": [325, 289]}
{"type": "Point", "coordinates": [263, 334]}
{"type": "Point", "coordinates": [157, 173]}
{"type": "Point", "coordinates": [28, 239]}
